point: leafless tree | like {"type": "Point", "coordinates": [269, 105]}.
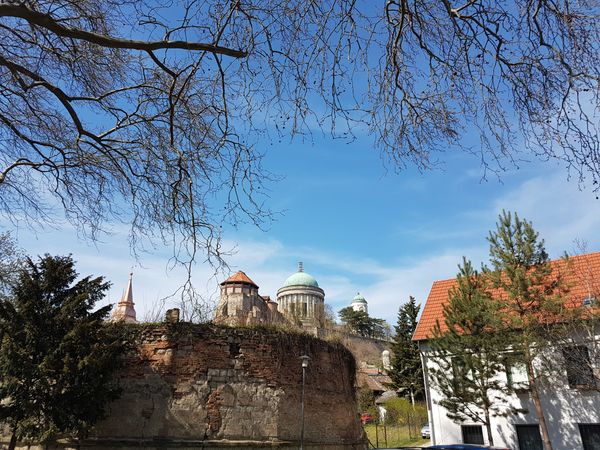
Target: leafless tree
{"type": "Point", "coordinates": [148, 112]}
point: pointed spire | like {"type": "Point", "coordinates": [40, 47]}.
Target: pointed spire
{"type": "Point", "coordinates": [300, 266]}
{"type": "Point", "coordinates": [125, 310]}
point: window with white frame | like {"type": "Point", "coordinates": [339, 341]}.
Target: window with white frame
{"type": "Point", "coordinates": [516, 372]}
{"type": "Point", "coordinates": [472, 434]}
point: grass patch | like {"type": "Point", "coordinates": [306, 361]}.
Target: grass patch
{"type": "Point", "coordinates": [393, 436]}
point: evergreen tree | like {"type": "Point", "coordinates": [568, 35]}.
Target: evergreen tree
{"type": "Point", "coordinates": [407, 372]}
{"type": "Point", "coordinates": [57, 356]}
{"type": "Point", "coordinates": [361, 323]}
{"type": "Point", "coordinates": [470, 352]}
{"type": "Point", "coordinates": [533, 304]}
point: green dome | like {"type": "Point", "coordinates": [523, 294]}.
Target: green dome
{"type": "Point", "coordinates": [359, 299]}
{"type": "Point", "coordinates": [301, 279]}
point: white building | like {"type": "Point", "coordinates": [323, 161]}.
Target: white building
{"type": "Point", "coordinates": [300, 298]}
{"type": "Point", "coordinates": [359, 303]}
{"type": "Point", "coordinates": [570, 397]}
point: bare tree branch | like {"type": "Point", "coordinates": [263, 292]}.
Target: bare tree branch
{"type": "Point", "coordinates": [48, 22]}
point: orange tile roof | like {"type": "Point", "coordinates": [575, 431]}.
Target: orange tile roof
{"type": "Point", "coordinates": [582, 276]}
{"type": "Point", "coordinates": [239, 277]}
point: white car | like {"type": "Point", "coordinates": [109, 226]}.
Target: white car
{"type": "Point", "coordinates": [425, 432]}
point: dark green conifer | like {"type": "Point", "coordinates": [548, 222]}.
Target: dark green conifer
{"type": "Point", "coordinates": [533, 304]}
{"type": "Point", "coordinates": [470, 352]}
{"type": "Point", "coordinates": [57, 356]}
{"type": "Point", "coordinates": [407, 372]}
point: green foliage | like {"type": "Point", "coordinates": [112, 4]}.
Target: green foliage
{"type": "Point", "coordinates": [57, 356]}
{"type": "Point", "coordinates": [394, 436]}
{"type": "Point", "coordinates": [402, 412]}
{"type": "Point", "coordinates": [366, 400]}
{"type": "Point", "coordinates": [361, 323]}
{"type": "Point", "coordinates": [534, 296]}
{"type": "Point", "coordinates": [533, 305]}
{"type": "Point", "coordinates": [407, 372]}
{"type": "Point", "coordinates": [472, 348]}
{"type": "Point", "coordinates": [485, 334]}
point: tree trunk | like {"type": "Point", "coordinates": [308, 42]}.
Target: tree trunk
{"type": "Point", "coordinates": [13, 441]}
{"type": "Point", "coordinates": [412, 398]}
{"type": "Point", "coordinates": [488, 428]}
{"type": "Point", "coordinates": [537, 404]}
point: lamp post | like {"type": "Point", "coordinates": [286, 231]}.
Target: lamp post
{"type": "Point", "coordinates": [305, 359]}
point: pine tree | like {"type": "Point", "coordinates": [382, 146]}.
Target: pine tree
{"type": "Point", "coordinates": [470, 352]}
{"type": "Point", "coordinates": [407, 372]}
{"type": "Point", "coordinates": [533, 303]}
{"type": "Point", "coordinates": [361, 323]}
{"type": "Point", "coordinates": [57, 356]}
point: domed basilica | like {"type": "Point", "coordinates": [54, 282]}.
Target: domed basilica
{"type": "Point", "coordinates": [300, 301]}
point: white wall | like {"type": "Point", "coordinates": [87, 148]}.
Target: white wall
{"type": "Point", "coordinates": [564, 409]}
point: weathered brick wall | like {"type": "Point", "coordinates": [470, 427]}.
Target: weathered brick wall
{"type": "Point", "coordinates": [208, 383]}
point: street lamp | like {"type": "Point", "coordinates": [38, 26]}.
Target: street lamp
{"type": "Point", "coordinates": [305, 359]}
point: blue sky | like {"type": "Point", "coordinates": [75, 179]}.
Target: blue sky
{"type": "Point", "coordinates": [357, 226]}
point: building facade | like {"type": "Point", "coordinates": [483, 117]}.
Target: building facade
{"type": "Point", "coordinates": [241, 304]}
{"type": "Point", "coordinates": [571, 405]}
{"type": "Point", "coordinates": [302, 301]}
{"type": "Point", "coordinates": [359, 303]}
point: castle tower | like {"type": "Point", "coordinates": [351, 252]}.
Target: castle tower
{"type": "Point", "coordinates": [125, 311]}
{"type": "Point", "coordinates": [359, 303]}
{"type": "Point", "coordinates": [301, 298]}
{"type": "Point", "coordinates": [239, 294]}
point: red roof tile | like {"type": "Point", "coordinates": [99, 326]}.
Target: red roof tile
{"type": "Point", "coordinates": [582, 275]}
{"type": "Point", "coordinates": [239, 277]}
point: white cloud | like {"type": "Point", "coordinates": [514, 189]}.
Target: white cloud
{"type": "Point", "coordinates": [560, 211]}
{"type": "Point", "coordinates": [557, 208]}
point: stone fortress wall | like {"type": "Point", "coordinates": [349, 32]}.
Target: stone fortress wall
{"type": "Point", "coordinates": [210, 385]}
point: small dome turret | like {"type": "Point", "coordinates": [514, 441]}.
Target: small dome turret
{"type": "Point", "coordinates": [359, 303]}
{"type": "Point", "coordinates": [359, 299]}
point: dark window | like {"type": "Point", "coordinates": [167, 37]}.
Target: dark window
{"type": "Point", "coordinates": [472, 434]}
{"type": "Point", "coordinates": [590, 435]}
{"type": "Point", "coordinates": [529, 437]}
{"type": "Point", "coordinates": [304, 310]}
{"type": "Point", "coordinates": [579, 368]}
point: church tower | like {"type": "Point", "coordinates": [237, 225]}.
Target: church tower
{"type": "Point", "coordinates": [125, 311]}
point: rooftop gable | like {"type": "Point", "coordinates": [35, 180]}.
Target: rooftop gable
{"type": "Point", "coordinates": [582, 276]}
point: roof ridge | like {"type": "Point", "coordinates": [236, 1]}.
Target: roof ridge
{"type": "Point", "coordinates": [583, 282]}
